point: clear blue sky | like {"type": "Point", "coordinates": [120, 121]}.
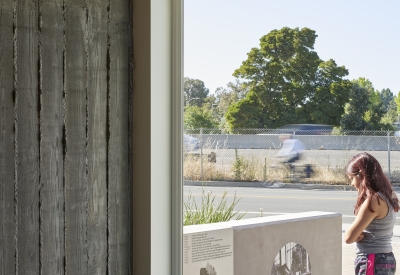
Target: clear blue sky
{"type": "Point", "coordinates": [364, 36]}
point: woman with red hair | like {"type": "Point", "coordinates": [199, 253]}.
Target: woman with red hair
{"type": "Point", "coordinates": [372, 229]}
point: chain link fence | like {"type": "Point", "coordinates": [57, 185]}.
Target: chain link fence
{"type": "Point", "coordinates": [249, 154]}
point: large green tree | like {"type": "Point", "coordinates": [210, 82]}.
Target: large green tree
{"type": "Point", "coordinates": [225, 97]}
{"type": "Point", "coordinates": [246, 113]}
{"type": "Point", "coordinates": [364, 83]}
{"type": "Point", "coordinates": [328, 96]}
{"type": "Point", "coordinates": [397, 100]}
{"type": "Point", "coordinates": [353, 119]}
{"type": "Point", "coordinates": [366, 109]}
{"type": "Point", "coordinates": [375, 110]}
{"type": "Point", "coordinates": [389, 104]}
{"type": "Point", "coordinates": [194, 91]}
{"type": "Point", "coordinates": [195, 117]}
{"type": "Point", "coordinates": [289, 83]}
{"type": "Point", "coordinates": [386, 97]}
{"type": "Point", "coordinates": [391, 115]}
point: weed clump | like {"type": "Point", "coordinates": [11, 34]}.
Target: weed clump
{"type": "Point", "coordinates": [210, 211]}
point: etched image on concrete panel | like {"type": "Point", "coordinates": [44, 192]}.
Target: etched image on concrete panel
{"type": "Point", "coordinates": [292, 259]}
{"type": "Point", "coordinates": [208, 270]}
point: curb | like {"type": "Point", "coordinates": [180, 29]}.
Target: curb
{"type": "Point", "coordinates": [259, 184]}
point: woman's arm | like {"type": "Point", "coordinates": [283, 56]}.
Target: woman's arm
{"type": "Point", "coordinates": [363, 219]}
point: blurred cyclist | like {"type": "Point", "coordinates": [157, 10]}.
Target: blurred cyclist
{"type": "Point", "coordinates": [291, 151]}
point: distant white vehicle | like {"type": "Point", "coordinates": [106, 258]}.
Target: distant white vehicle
{"type": "Point", "coordinates": [190, 143]}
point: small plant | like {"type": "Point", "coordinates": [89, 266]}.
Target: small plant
{"type": "Point", "coordinates": [238, 165]}
{"type": "Point", "coordinates": [244, 169]}
{"type": "Point", "coordinates": [210, 211]}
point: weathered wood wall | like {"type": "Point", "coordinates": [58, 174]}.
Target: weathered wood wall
{"type": "Point", "coordinates": [65, 185]}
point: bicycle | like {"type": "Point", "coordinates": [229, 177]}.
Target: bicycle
{"type": "Point", "coordinates": [280, 172]}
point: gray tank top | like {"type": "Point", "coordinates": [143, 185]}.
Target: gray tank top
{"type": "Point", "coordinates": [378, 234]}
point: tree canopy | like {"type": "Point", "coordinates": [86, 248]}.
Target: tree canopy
{"type": "Point", "coordinates": [289, 83]}
{"type": "Point", "coordinates": [397, 100]}
{"type": "Point", "coordinates": [366, 109]}
{"type": "Point", "coordinates": [355, 109]}
{"type": "Point", "coordinates": [386, 97]}
{"type": "Point", "coordinates": [196, 117]}
{"type": "Point", "coordinates": [225, 97]}
{"type": "Point", "coordinates": [194, 91]}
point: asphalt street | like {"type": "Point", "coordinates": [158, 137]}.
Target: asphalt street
{"type": "Point", "coordinates": [274, 201]}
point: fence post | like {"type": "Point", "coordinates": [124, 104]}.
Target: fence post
{"type": "Point", "coordinates": [201, 154]}
{"type": "Point", "coordinates": [388, 136]}
{"type": "Point", "coordinates": [265, 170]}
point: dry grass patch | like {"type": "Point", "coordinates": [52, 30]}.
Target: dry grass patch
{"type": "Point", "coordinates": [192, 170]}
{"type": "Point", "coordinates": [254, 168]}
{"type": "Point", "coordinates": [331, 176]}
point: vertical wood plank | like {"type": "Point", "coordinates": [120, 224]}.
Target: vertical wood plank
{"type": "Point", "coordinates": [97, 140]}
{"type": "Point", "coordinates": [51, 146]}
{"type": "Point", "coordinates": [120, 193]}
{"type": "Point", "coordinates": [93, 71]}
{"type": "Point", "coordinates": [7, 153]}
{"type": "Point", "coordinates": [27, 138]}
{"type": "Point", "coordinates": [76, 138]}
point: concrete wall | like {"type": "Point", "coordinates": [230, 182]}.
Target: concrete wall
{"type": "Point", "coordinates": [311, 142]}
{"type": "Point", "coordinates": [257, 242]}
{"type": "Point", "coordinates": [65, 149]}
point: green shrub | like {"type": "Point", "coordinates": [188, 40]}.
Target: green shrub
{"type": "Point", "coordinates": [210, 211]}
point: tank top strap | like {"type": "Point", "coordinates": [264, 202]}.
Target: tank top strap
{"type": "Point", "coordinates": [390, 207]}
{"type": "Point", "coordinates": [381, 195]}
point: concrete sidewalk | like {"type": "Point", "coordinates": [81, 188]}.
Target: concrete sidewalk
{"type": "Point", "coordinates": [348, 256]}
{"type": "Point", "coordinates": [348, 253]}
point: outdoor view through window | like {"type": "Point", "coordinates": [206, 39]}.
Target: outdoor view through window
{"type": "Point", "coordinates": [278, 97]}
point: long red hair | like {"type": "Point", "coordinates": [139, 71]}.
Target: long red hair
{"type": "Point", "coordinates": [372, 180]}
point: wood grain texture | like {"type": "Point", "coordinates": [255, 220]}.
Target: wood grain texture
{"type": "Point", "coordinates": [7, 153]}
{"type": "Point", "coordinates": [27, 138]}
{"type": "Point", "coordinates": [120, 193]}
{"type": "Point", "coordinates": [76, 205]}
{"type": "Point", "coordinates": [51, 145]}
{"type": "Point", "coordinates": [97, 136]}
{"type": "Point", "coordinates": [65, 129]}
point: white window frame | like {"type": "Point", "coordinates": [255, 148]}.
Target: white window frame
{"type": "Point", "coordinates": [157, 136]}
{"type": "Point", "coordinates": [177, 136]}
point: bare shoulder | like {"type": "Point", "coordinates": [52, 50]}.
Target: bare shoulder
{"type": "Point", "coordinates": [376, 204]}
{"type": "Point", "coordinates": [379, 205]}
